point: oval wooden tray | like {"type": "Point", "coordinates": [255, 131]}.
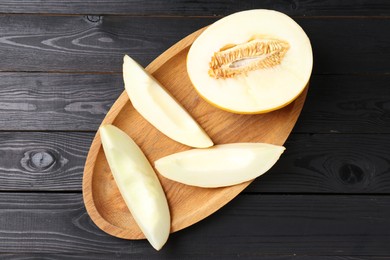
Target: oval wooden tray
{"type": "Point", "coordinates": [188, 204]}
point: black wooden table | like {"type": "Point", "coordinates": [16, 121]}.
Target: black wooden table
{"type": "Point", "coordinates": [60, 72]}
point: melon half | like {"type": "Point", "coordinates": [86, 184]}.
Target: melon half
{"type": "Point", "coordinates": [251, 62]}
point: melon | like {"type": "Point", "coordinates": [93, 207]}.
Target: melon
{"type": "Point", "coordinates": [138, 184]}
{"type": "Point", "coordinates": [251, 62]}
{"type": "Point", "coordinates": [160, 108]}
{"type": "Point", "coordinates": [221, 165]}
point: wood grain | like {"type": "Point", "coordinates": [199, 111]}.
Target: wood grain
{"type": "Point", "coordinates": [39, 161]}
{"type": "Point", "coordinates": [202, 255]}
{"type": "Point", "coordinates": [79, 102]}
{"type": "Point", "coordinates": [76, 44]}
{"type": "Point", "coordinates": [81, 43]}
{"type": "Point", "coordinates": [197, 8]}
{"type": "Point", "coordinates": [45, 101]}
{"type": "Point", "coordinates": [346, 104]}
{"type": "Point", "coordinates": [188, 204]}
{"type": "Point", "coordinates": [259, 225]}
{"type": "Point", "coordinates": [339, 152]}
{"type": "Point", "coordinates": [320, 163]}
{"type": "Point", "coordinates": [329, 163]}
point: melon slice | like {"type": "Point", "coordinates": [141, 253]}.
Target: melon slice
{"type": "Point", "coordinates": [251, 62]}
{"type": "Point", "coordinates": [220, 165]}
{"type": "Point", "coordinates": [159, 108]}
{"type": "Point", "coordinates": [138, 184]}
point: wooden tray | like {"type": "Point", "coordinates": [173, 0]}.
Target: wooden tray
{"type": "Point", "coordinates": [188, 204]}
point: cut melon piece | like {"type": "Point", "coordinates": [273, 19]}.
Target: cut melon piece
{"type": "Point", "coordinates": [220, 165]}
{"type": "Point", "coordinates": [251, 62]}
{"type": "Point", "coordinates": [138, 184]}
{"type": "Point", "coordinates": [159, 108]}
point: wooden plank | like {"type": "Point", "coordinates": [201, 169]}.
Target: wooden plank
{"type": "Point", "coordinates": [336, 49]}
{"type": "Point", "coordinates": [74, 43]}
{"type": "Point", "coordinates": [258, 225]}
{"type": "Point", "coordinates": [346, 104]}
{"type": "Point", "coordinates": [69, 102]}
{"type": "Point", "coordinates": [42, 161]}
{"type": "Point", "coordinates": [198, 8]}
{"type": "Point", "coordinates": [324, 163]}
{"type": "Point", "coordinates": [204, 255]}
{"type": "Point", "coordinates": [329, 163]}
{"type": "Point", "coordinates": [41, 101]}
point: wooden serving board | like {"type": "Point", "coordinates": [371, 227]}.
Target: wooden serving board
{"type": "Point", "coordinates": [188, 204]}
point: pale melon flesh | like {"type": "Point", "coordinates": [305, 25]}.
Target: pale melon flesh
{"type": "Point", "coordinates": [220, 165]}
{"type": "Point", "coordinates": [138, 184]}
{"type": "Point", "coordinates": [271, 51]}
{"type": "Point", "coordinates": [159, 108]}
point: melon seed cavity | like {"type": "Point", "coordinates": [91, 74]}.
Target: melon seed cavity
{"type": "Point", "coordinates": [257, 53]}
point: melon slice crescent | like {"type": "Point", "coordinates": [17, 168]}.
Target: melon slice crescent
{"type": "Point", "coordinates": [138, 184]}
{"type": "Point", "coordinates": [159, 108]}
{"type": "Point", "coordinates": [251, 62]}
{"type": "Point", "coordinates": [221, 165]}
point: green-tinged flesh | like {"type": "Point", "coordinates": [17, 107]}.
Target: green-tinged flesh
{"type": "Point", "coordinates": [221, 165]}
{"type": "Point", "coordinates": [159, 108]}
{"type": "Point", "coordinates": [138, 184]}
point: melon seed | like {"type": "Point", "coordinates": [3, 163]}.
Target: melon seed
{"type": "Point", "coordinates": [257, 53]}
